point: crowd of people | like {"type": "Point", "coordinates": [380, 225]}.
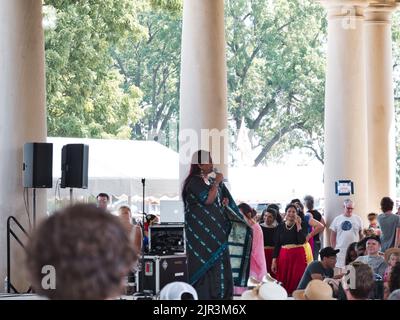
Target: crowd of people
{"type": "Point", "coordinates": [227, 247]}
{"type": "Point", "coordinates": [292, 250]}
{"type": "Point", "coordinates": [351, 246]}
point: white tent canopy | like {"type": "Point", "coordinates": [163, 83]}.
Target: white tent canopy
{"type": "Point", "coordinates": [118, 166]}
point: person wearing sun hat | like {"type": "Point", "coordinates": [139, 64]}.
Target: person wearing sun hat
{"type": "Point", "coordinates": [178, 291]}
{"type": "Point", "coordinates": [315, 290]}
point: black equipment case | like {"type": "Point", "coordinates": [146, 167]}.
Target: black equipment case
{"type": "Point", "coordinates": [167, 239]}
{"type": "Point", "coordinates": [161, 270]}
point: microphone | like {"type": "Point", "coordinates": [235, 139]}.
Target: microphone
{"type": "Point", "coordinates": [215, 171]}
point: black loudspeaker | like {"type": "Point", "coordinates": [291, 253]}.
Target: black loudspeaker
{"type": "Point", "coordinates": [74, 166]}
{"type": "Point", "coordinates": [38, 165]}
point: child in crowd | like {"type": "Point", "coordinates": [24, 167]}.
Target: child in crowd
{"type": "Point", "coordinates": [393, 256]}
{"type": "Point", "coordinates": [373, 228]}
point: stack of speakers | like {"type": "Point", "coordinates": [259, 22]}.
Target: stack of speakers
{"type": "Point", "coordinates": [38, 165]}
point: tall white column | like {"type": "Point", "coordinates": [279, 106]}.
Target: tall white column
{"type": "Point", "coordinates": [380, 103]}
{"type": "Point", "coordinates": [22, 115]}
{"type": "Point", "coordinates": [346, 152]}
{"type": "Point", "coordinates": [203, 88]}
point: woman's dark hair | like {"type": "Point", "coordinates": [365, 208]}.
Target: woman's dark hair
{"type": "Point", "coordinates": [89, 250]}
{"type": "Point", "coordinates": [276, 208]}
{"type": "Point", "coordinates": [290, 205]}
{"type": "Point", "coordinates": [248, 211]}
{"type": "Point", "coordinates": [361, 245]}
{"type": "Point", "coordinates": [273, 206]}
{"type": "Point", "coordinates": [394, 282]}
{"type": "Point", "coordinates": [275, 214]}
{"type": "Point", "coordinates": [199, 157]}
{"type": "Point", "coordinates": [350, 248]}
{"type": "Point", "coordinates": [268, 210]}
{"type": "Point", "coordinates": [300, 212]}
{"type": "Point", "coordinates": [150, 217]}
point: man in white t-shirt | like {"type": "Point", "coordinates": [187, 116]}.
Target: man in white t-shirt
{"type": "Point", "coordinates": [345, 229]}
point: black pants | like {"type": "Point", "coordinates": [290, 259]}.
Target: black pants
{"type": "Point", "coordinates": [317, 247]}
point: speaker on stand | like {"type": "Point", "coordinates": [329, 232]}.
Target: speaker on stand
{"type": "Point", "coordinates": [74, 167]}
{"type": "Point", "coordinates": [37, 169]}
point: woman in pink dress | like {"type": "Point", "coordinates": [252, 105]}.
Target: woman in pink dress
{"type": "Point", "coordinates": [258, 266]}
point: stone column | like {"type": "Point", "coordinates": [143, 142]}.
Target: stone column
{"type": "Point", "coordinates": [346, 152]}
{"type": "Point", "coordinates": [22, 116]}
{"type": "Point", "coordinates": [203, 88]}
{"type": "Point", "coordinates": [380, 103]}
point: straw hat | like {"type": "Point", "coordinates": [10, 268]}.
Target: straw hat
{"type": "Point", "coordinates": [315, 290]}
{"type": "Point", "coordinates": [389, 251]}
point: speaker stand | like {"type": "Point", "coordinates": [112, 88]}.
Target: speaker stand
{"type": "Point", "coordinates": [142, 294]}
{"type": "Point", "coordinates": [71, 196]}
{"type": "Point", "coordinates": [34, 207]}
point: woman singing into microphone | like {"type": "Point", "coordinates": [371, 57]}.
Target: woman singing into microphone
{"type": "Point", "coordinates": [218, 238]}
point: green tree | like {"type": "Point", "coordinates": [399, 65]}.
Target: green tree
{"type": "Point", "coordinates": [276, 73]}
{"type": "Point", "coordinates": [174, 6]}
{"type": "Point", "coordinates": [113, 70]}
{"type": "Point", "coordinates": [153, 65]}
{"type": "Point", "coordinates": [85, 93]}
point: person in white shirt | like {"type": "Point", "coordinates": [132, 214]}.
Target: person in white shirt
{"type": "Point", "coordinates": [345, 229]}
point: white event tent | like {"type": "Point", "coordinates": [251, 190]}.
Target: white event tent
{"type": "Point", "coordinates": [118, 166]}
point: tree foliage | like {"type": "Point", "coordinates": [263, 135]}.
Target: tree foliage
{"type": "Point", "coordinates": [85, 97]}
{"type": "Point", "coordinates": [113, 70]}
{"type": "Point", "coordinates": [174, 6]}
{"type": "Point", "coordinates": [276, 73]}
{"type": "Point", "coordinates": [153, 65]}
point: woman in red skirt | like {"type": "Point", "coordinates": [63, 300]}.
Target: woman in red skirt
{"type": "Point", "coordinates": [269, 225]}
{"type": "Point", "coordinates": [291, 250]}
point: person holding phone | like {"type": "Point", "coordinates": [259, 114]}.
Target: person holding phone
{"type": "Point", "coordinates": [290, 255]}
